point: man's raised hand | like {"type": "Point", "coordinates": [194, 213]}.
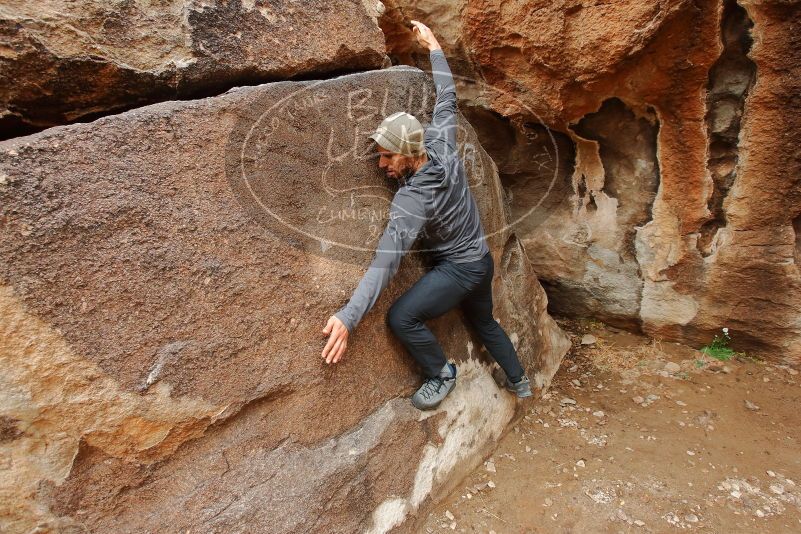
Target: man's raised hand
{"type": "Point", "coordinates": [337, 334]}
{"type": "Point", "coordinates": [424, 35]}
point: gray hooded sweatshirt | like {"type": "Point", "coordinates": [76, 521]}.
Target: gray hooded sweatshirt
{"type": "Point", "coordinates": [434, 205]}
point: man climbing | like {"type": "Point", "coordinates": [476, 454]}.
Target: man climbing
{"type": "Point", "coordinates": [434, 203]}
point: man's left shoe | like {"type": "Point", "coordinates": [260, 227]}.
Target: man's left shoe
{"type": "Point", "coordinates": [434, 390]}
{"type": "Point", "coordinates": [522, 388]}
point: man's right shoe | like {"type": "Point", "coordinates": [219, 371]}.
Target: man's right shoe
{"type": "Point", "coordinates": [522, 389]}
{"type": "Point", "coordinates": [434, 390]}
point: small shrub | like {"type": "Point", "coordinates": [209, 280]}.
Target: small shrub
{"type": "Point", "coordinates": [719, 348]}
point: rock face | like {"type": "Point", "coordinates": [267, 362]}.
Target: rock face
{"type": "Point", "coordinates": [62, 61]}
{"type": "Point", "coordinates": [650, 154]}
{"type": "Point", "coordinates": [166, 274]}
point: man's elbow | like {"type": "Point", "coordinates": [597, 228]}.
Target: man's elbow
{"type": "Point", "coordinates": [446, 103]}
{"type": "Point", "coordinates": [449, 100]}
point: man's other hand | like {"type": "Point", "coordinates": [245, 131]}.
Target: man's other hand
{"type": "Point", "coordinates": [424, 35]}
{"type": "Point", "coordinates": [337, 340]}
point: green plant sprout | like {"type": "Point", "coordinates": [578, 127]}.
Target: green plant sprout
{"type": "Point", "coordinates": [719, 348]}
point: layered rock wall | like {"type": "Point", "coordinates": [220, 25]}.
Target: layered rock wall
{"type": "Point", "coordinates": [654, 156]}
{"type": "Point", "coordinates": [64, 61]}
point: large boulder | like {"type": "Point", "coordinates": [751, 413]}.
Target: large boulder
{"type": "Point", "coordinates": [656, 144]}
{"type": "Point", "coordinates": [63, 61]}
{"type": "Point", "coordinates": [166, 274]}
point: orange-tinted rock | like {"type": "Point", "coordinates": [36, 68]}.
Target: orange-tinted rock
{"type": "Point", "coordinates": [681, 209]}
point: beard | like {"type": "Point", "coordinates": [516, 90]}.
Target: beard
{"type": "Point", "coordinates": [406, 172]}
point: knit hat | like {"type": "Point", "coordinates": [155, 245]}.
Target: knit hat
{"type": "Point", "coordinates": [400, 133]}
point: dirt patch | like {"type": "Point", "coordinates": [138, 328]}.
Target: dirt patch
{"type": "Point", "coordinates": [638, 435]}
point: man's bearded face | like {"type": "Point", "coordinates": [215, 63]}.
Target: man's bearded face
{"type": "Point", "coordinates": [394, 165]}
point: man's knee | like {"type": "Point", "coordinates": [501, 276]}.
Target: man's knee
{"type": "Point", "coordinates": [484, 323]}
{"type": "Point", "coordinates": [398, 319]}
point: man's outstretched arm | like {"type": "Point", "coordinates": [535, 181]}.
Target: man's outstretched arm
{"type": "Point", "coordinates": [440, 136]}
{"type": "Point", "coordinates": [407, 218]}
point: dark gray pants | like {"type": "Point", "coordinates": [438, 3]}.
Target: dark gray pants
{"type": "Point", "coordinates": [440, 290]}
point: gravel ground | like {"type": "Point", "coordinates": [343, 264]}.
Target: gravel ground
{"type": "Point", "coordinates": [641, 436]}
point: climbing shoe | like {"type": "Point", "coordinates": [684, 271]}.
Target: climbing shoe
{"type": "Point", "coordinates": [522, 388]}
{"type": "Point", "coordinates": [434, 390]}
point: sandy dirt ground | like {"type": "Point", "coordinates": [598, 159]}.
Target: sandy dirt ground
{"type": "Point", "coordinates": [637, 435]}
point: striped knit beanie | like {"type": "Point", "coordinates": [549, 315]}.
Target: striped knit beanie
{"type": "Point", "coordinates": [400, 133]}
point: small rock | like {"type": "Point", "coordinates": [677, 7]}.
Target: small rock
{"type": "Point", "coordinates": [639, 523]}
{"type": "Point", "coordinates": [760, 513]}
{"type": "Point", "coordinates": [491, 484]}
{"type": "Point", "coordinates": [576, 383]}
{"type": "Point", "coordinates": [598, 413]}
{"type": "Point", "coordinates": [449, 515]}
{"type": "Point", "coordinates": [672, 367]}
{"type": "Point", "coordinates": [751, 406]}
{"type": "Point", "coordinates": [580, 463]}
{"type": "Point", "coordinates": [528, 449]}
{"type": "Point", "coordinates": [771, 473]}
{"type": "Point", "coordinates": [567, 400]}
{"type": "Point", "coordinates": [691, 518]}
{"type": "Point", "coordinates": [681, 403]}
{"type": "Point", "coordinates": [548, 502]}
{"type": "Point", "coordinates": [777, 489]}
{"type": "Point", "coordinates": [588, 339]}
{"type": "Point", "coordinates": [489, 465]}
{"type": "Point", "coordinates": [638, 399]}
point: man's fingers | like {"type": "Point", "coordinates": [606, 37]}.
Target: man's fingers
{"type": "Point", "coordinates": [341, 351]}
{"type": "Point", "coordinates": [331, 348]}
{"type": "Point", "coordinates": [329, 345]}
{"type": "Point", "coordinates": [337, 340]}
{"type": "Point", "coordinates": [419, 26]}
{"type": "Point", "coordinates": [327, 329]}
{"type": "Point", "coordinates": [334, 350]}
